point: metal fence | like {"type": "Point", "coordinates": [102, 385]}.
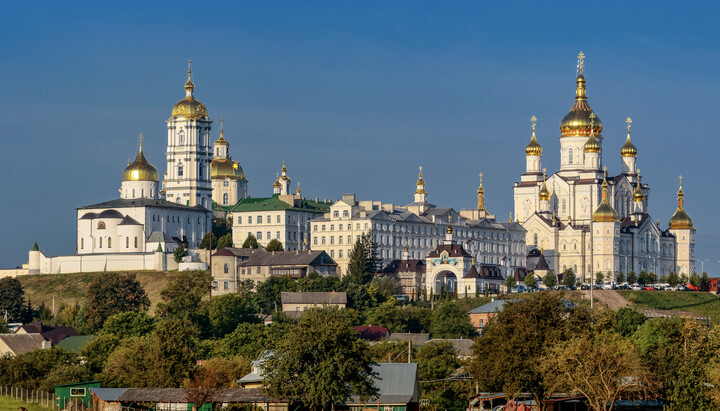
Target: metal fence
{"type": "Point", "coordinates": [42, 398]}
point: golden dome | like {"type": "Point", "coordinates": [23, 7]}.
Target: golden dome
{"type": "Point", "coordinates": [449, 229]}
{"type": "Point", "coordinates": [638, 194]}
{"type": "Point", "coordinates": [189, 107]}
{"type": "Point", "coordinates": [592, 145]}
{"type": "Point", "coordinates": [544, 194]}
{"type": "Point", "coordinates": [578, 122]}
{"type": "Point", "coordinates": [605, 213]}
{"type": "Point", "coordinates": [628, 149]}
{"type": "Point", "coordinates": [534, 148]}
{"type": "Point", "coordinates": [681, 220]}
{"type": "Point", "coordinates": [420, 184]}
{"type": "Point", "coordinates": [140, 169]}
{"type": "Point", "coordinates": [222, 168]}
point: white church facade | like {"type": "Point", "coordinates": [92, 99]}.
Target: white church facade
{"type": "Point", "coordinates": [589, 222]}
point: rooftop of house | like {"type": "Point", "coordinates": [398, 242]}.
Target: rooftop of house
{"type": "Point", "coordinates": [51, 333]}
{"type": "Point", "coordinates": [288, 258]}
{"type": "Point", "coordinates": [462, 345]}
{"type": "Point", "coordinates": [319, 298]}
{"type": "Point", "coordinates": [22, 343]}
{"type": "Point", "coordinates": [397, 383]}
{"type": "Point", "coordinates": [275, 203]}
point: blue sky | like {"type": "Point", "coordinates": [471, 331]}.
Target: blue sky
{"type": "Point", "coordinates": [357, 95]}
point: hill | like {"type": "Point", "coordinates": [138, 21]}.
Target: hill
{"type": "Point", "coordinates": [698, 303]}
{"type": "Point", "coordinates": [71, 288]}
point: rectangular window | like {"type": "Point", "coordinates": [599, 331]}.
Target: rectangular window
{"type": "Point", "coordinates": [127, 242]}
{"type": "Point", "coordinates": [269, 219]}
{"type": "Point", "coordinates": [332, 227]}
{"type": "Point", "coordinates": [136, 246]}
{"type": "Point", "coordinates": [340, 253]}
{"type": "Point", "coordinates": [239, 220]}
{"type": "Point", "coordinates": [322, 241]}
{"type": "Point", "coordinates": [332, 239]}
{"type": "Point", "coordinates": [257, 271]}
{"type": "Point", "coordinates": [278, 219]}
{"type": "Point", "coordinates": [336, 214]}
{"type": "Point", "coordinates": [226, 285]}
{"type": "Point", "coordinates": [259, 235]}
{"type": "Point", "coordinates": [315, 240]}
{"type": "Point", "coordinates": [249, 219]}
{"type": "Point", "coordinates": [345, 213]}
{"type": "Point", "coordinates": [323, 227]}
{"type": "Point", "coordinates": [357, 226]}
{"type": "Point", "coordinates": [259, 219]}
{"type": "Point", "coordinates": [82, 243]}
{"type": "Point", "coordinates": [268, 235]}
{"type": "Point", "coordinates": [277, 234]}
{"type": "Point", "coordinates": [339, 239]}
{"type": "Point", "coordinates": [77, 392]}
{"type": "Point", "coordinates": [100, 243]}
{"type": "Point", "coordinates": [332, 253]}
{"type": "Point", "coordinates": [349, 239]}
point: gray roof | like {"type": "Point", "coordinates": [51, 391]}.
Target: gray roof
{"type": "Point", "coordinates": [416, 338]}
{"type": "Point", "coordinates": [159, 237]}
{"type": "Point", "coordinates": [313, 297]}
{"type": "Point", "coordinates": [178, 395]}
{"type": "Point", "coordinates": [107, 394]}
{"type": "Point", "coordinates": [461, 345]}
{"type": "Point", "coordinates": [22, 343]}
{"type": "Point", "coordinates": [289, 258]}
{"type": "Point", "coordinates": [144, 202]}
{"type": "Point", "coordinates": [490, 307]}
{"type": "Point", "coordinates": [397, 383]}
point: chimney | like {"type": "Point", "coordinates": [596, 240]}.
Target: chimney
{"type": "Point", "coordinates": [46, 345]}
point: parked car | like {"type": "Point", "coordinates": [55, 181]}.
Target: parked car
{"type": "Point", "coordinates": [648, 287]}
{"type": "Point", "coordinates": [608, 286]}
{"type": "Point", "coordinates": [636, 287]}
{"type": "Point", "coordinates": [587, 287]}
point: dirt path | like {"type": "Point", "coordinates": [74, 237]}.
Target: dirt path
{"type": "Point", "coordinates": [610, 298]}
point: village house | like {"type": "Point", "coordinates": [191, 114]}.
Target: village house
{"type": "Point", "coordinates": [294, 303]}
{"type": "Point", "coordinates": [16, 344]}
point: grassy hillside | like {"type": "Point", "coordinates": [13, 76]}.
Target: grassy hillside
{"type": "Point", "coordinates": [700, 303]}
{"type": "Point", "coordinates": [71, 288]}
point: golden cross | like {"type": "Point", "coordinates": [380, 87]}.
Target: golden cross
{"type": "Point", "coordinates": [221, 123]}
{"type": "Point", "coordinates": [605, 171]}
{"type": "Point", "coordinates": [680, 177]}
{"type": "Point", "coordinates": [480, 178]}
{"type": "Point", "coordinates": [544, 171]}
{"type": "Point", "coordinates": [140, 138]}
{"type": "Point", "coordinates": [449, 219]}
{"type": "Point", "coordinates": [581, 57]}
{"type": "Point", "coordinates": [189, 65]}
{"type": "Point", "coordinates": [420, 169]}
{"type": "Point", "coordinates": [628, 122]}
{"type": "Point", "coordinates": [534, 120]}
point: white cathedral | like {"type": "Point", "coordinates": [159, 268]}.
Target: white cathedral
{"type": "Point", "coordinates": [149, 220]}
{"type": "Point", "coordinates": [584, 220]}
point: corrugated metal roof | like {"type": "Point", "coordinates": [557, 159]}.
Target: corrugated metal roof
{"type": "Point", "coordinates": [397, 383]}
{"type": "Point", "coordinates": [179, 394]}
{"type": "Point", "coordinates": [22, 343]}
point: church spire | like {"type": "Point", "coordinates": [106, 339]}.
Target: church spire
{"type": "Point", "coordinates": [681, 220]}
{"type": "Point", "coordinates": [605, 213]}
{"type": "Point", "coordinates": [481, 195]}
{"type": "Point", "coordinates": [189, 85]}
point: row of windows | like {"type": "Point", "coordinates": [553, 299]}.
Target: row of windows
{"type": "Point", "coordinates": [414, 229]}
{"type": "Point", "coordinates": [109, 242]}
{"type": "Point", "coordinates": [174, 219]}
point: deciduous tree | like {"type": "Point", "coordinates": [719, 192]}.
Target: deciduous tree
{"type": "Point", "coordinates": [550, 279]}
{"type": "Point", "coordinates": [110, 294]}
{"type": "Point", "coordinates": [12, 298]}
{"type": "Point", "coordinates": [274, 245]}
{"type": "Point", "coordinates": [530, 281]}
{"type": "Point", "coordinates": [451, 320]}
{"type": "Point", "coordinates": [250, 242]}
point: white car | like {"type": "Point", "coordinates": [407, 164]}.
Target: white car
{"type": "Point", "coordinates": [635, 287]}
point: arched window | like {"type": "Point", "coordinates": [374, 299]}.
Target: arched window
{"type": "Point", "coordinates": [535, 239]}
{"type": "Point", "coordinates": [225, 199]}
{"type": "Point", "coordinates": [100, 242]}
{"type": "Point", "coordinates": [181, 137]}
{"type": "Point", "coordinates": [101, 226]}
{"type": "Point", "coordinates": [570, 155]}
{"type": "Point", "coordinates": [226, 269]}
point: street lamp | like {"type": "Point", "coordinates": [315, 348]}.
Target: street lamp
{"type": "Point", "coordinates": [702, 265]}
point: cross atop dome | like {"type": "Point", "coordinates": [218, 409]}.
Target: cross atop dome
{"type": "Point", "coordinates": [581, 58]}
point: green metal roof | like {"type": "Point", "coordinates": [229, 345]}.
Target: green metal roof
{"type": "Point", "coordinates": [274, 203]}
{"type": "Point", "coordinates": [76, 343]}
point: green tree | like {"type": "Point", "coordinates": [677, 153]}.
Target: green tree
{"type": "Point", "coordinates": [507, 355]}
{"type": "Point", "coordinates": [628, 320]}
{"type": "Point", "coordinates": [274, 245]}
{"type": "Point", "coordinates": [451, 320]}
{"type": "Point", "coordinates": [387, 315]}
{"type": "Point", "coordinates": [569, 279]}
{"type": "Point", "coordinates": [631, 277]}
{"type": "Point", "coordinates": [129, 324]}
{"type": "Point", "coordinates": [387, 286]}
{"type": "Point", "coordinates": [673, 279]}
{"type": "Point", "coordinates": [205, 242]}
{"type": "Point", "coordinates": [599, 278]}
{"type": "Point", "coordinates": [704, 282]}
{"type": "Point", "coordinates": [180, 252]}
{"type": "Point", "coordinates": [248, 340]}
{"type": "Point", "coordinates": [644, 278]}
{"type": "Point", "coordinates": [225, 241]}
{"type": "Point", "coordinates": [31, 369]}
{"type": "Point", "coordinates": [530, 281]}
{"type": "Point", "coordinates": [320, 362]}
{"type": "Point", "coordinates": [510, 282]}
{"type": "Point", "coordinates": [97, 351]}
{"type": "Point", "coordinates": [436, 360]}
{"type": "Point", "coordinates": [251, 242]}
{"type": "Point", "coordinates": [182, 297]}
{"type": "Point", "coordinates": [364, 260]}
{"type": "Point", "coordinates": [11, 298]}
{"type": "Point", "coordinates": [314, 282]}
{"type": "Point", "coordinates": [695, 279]}
{"type": "Point", "coordinates": [683, 279]}
{"type": "Point", "coordinates": [227, 311]}
{"type": "Point", "coordinates": [268, 292]}
{"type": "Point", "coordinates": [112, 293]}
{"type": "Point", "coordinates": [620, 277]}
{"type": "Point", "coordinates": [550, 279]}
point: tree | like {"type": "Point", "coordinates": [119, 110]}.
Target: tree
{"type": "Point", "coordinates": [225, 241]}
{"type": "Point", "coordinates": [506, 356]}
{"type": "Point", "coordinates": [364, 260]}
{"type": "Point", "coordinates": [569, 279]}
{"type": "Point", "coordinates": [250, 242]}
{"type": "Point", "coordinates": [436, 360]}
{"type": "Point", "coordinates": [182, 297]}
{"type": "Point", "coordinates": [451, 320]}
{"type": "Point", "coordinates": [644, 278]}
{"type": "Point", "coordinates": [387, 315]}
{"type": "Point", "coordinates": [268, 292]}
{"type": "Point", "coordinates": [213, 375]}
{"type": "Point", "coordinates": [97, 351]}
{"type": "Point", "coordinates": [247, 340]}
{"type": "Point", "coordinates": [180, 252]}
{"type": "Point", "coordinates": [628, 320]}
{"type": "Point", "coordinates": [274, 245]}
{"type": "Point", "coordinates": [387, 286]}
{"type": "Point", "coordinates": [550, 279]}
{"type": "Point", "coordinates": [320, 362]}
{"type": "Point", "coordinates": [620, 277]}
{"type": "Point", "coordinates": [704, 282]}
{"type": "Point", "coordinates": [205, 242]}
{"type": "Point", "coordinates": [227, 311]}
{"type": "Point", "coordinates": [683, 278]}
{"type": "Point", "coordinates": [631, 277]}
{"type": "Point", "coordinates": [129, 324]}
{"type": "Point", "coordinates": [31, 369]}
{"type": "Point", "coordinates": [599, 278]}
{"type": "Point", "coordinates": [673, 279]}
{"type": "Point", "coordinates": [510, 282]}
{"type": "Point", "coordinates": [603, 369]}
{"type": "Point", "coordinates": [110, 294]}
{"type": "Point", "coordinates": [11, 298]}
{"type": "Point", "coordinates": [694, 279]}
{"type": "Point", "coordinates": [314, 282]}
{"type": "Point", "coordinates": [530, 281]}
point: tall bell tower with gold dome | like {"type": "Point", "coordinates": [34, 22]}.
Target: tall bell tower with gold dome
{"type": "Point", "coordinates": [189, 151]}
{"type": "Point", "coordinates": [228, 177]}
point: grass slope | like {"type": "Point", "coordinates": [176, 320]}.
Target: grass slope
{"type": "Point", "coordinates": [71, 288]}
{"type": "Point", "coordinates": [700, 303]}
{"type": "Point", "coordinates": [7, 403]}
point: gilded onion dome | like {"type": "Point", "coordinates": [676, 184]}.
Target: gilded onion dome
{"type": "Point", "coordinates": [628, 149]}
{"type": "Point", "coordinates": [222, 168]}
{"type": "Point", "coordinates": [420, 184]}
{"type": "Point", "coordinates": [481, 196]}
{"type": "Point", "coordinates": [681, 220]}
{"type": "Point", "coordinates": [578, 122]}
{"type": "Point", "coordinates": [534, 148]}
{"type": "Point", "coordinates": [544, 194]}
{"type": "Point", "coordinates": [189, 107]}
{"type": "Point", "coordinates": [605, 213]}
{"type": "Point", "coordinates": [140, 169]}
{"type": "Point", "coordinates": [592, 145]}
{"type": "Point", "coordinates": [638, 194]}
{"type": "Point", "coordinates": [277, 182]}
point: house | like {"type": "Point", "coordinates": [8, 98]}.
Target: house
{"type": "Point", "coordinates": [408, 271]}
{"type": "Point", "coordinates": [75, 343]}
{"type": "Point", "coordinates": [462, 346]}
{"type": "Point", "coordinates": [50, 333]}
{"type": "Point", "coordinates": [75, 395]}
{"type": "Point", "coordinates": [16, 344]}
{"type": "Point", "coordinates": [176, 399]}
{"type": "Point", "coordinates": [480, 316]}
{"type": "Point", "coordinates": [398, 388]}
{"type": "Point", "coordinates": [255, 378]}
{"type": "Point", "coordinates": [415, 339]}
{"type": "Point", "coordinates": [297, 302]}
{"type": "Point", "coordinates": [106, 399]}
{"type": "Point", "coordinates": [231, 266]}
{"type": "Point", "coordinates": [372, 332]}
